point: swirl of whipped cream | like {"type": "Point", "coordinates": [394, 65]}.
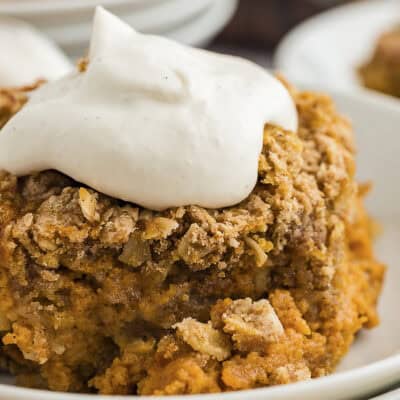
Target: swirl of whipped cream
{"type": "Point", "coordinates": [151, 121]}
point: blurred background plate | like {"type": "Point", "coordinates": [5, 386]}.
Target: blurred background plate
{"type": "Point", "coordinates": [28, 8]}
{"type": "Point", "coordinates": [156, 16]}
{"type": "Point", "coordinates": [194, 24]}
{"type": "Point", "coordinates": [328, 48]}
{"type": "Point", "coordinates": [203, 29]}
{"type": "Point", "coordinates": [68, 22]}
{"type": "Point", "coordinates": [73, 31]}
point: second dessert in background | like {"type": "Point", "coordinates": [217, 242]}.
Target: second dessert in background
{"type": "Point", "coordinates": [382, 72]}
{"type": "Point", "coordinates": [27, 55]}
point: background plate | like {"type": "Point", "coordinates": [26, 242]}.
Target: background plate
{"type": "Point", "coordinates": [327, 49]}
{"type": "Point", "coordinates": [74, 30]}
{"type": "Point", "coordinates": [194, 30]}
{"type": "Point", "coordinates": [26, 8]}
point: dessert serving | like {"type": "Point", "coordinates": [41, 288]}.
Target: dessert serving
{"type": "Point", "coordinates": [175, 221]}
{"type": "Point", "coordinates": [382, 72]}
{"type": "Point", "coordinates": [28, 55]}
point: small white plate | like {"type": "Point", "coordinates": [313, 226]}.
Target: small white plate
{"type": "Point", "coordinates": [27, 8]}
{"type": "Point", "coordinates": [197, 30]}
{"type": "Point", "coordinates": [27, 55]}
{"type": "Point", "coordinates": [204, 28]}
{"type": "Point", "coordinates": [74, 30]}
{"type": "Point", "coordinates": [328, 48]}
{"type": "Point", "coordinates": [373, 362]}
{"type": "Point", "coordinates": [392, 395]}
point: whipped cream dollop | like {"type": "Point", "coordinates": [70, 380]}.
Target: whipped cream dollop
{"type": "Point", "coordinates": [151, 121]}
{"type": "Point", "coordinates": [26, 55]}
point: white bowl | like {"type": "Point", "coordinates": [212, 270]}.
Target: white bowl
{"type": "Point", "coordinates": [75, 31]}
{"type": "Point", "coordinates": [27, 55]}
{"type": "Point", "coordinates": [28, 8]}
{"type": "Point", "coordinates": [199, 25]}
{"type": "Point", "coordinates": [328, 48]}
{"type": "Point", "coordinates": [201, 30]}
{"type": "Point", "coordinates": [68, 22]}
{"type": "Point", "coordinates": [156, 17]}
{"type": "Point", "coordinates": [373, 362]}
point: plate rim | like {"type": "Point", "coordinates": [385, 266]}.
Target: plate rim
{"type": "Point", "coordinates": [75, 34]}
{"type": "Point", "coordinates": [289, 40]}
{"type": "Point", "coordinates": [387, 367]}
{"type": "Point", "coordinates": [223, 8]}
{"type": "Point", "coordinates": [26, 8]}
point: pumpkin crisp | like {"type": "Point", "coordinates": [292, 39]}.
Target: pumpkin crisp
{"type": "Point", "coordinates": [382, 71]}
{"type": "Point", "coordinates": [99, 295]}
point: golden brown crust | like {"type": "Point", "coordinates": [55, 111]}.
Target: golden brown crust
{"type": "Point", "coordinates": [101, 295]}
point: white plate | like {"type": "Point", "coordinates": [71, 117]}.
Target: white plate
{"type": "Point", "coordinates": [75, 30]}
{"type": "Point", "coordinates": [327, 49]}
{"type": "Point", "coordinates": [27, 55]}
{"type": "Point", "coordinates": [67, 28]}
{"type": "Point", "coordinates": [203, 29]}
{"type": "Point", "coordinates": [26, 8]}
{"type": "Point", "coordinates": [373, 362]}
{"type": "Point", "coordinates": [196, 31]}
{"type": "Point", "coordinates": [392, 395]}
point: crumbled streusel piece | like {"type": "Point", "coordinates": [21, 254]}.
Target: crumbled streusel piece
{"type": "Point", "coordinates": [159, 228]}
{"type": "Point", "coordinates": [204, 338]}
{"type": "Point", "coordinates": [252, 324]}
{"type": "Point", "coordinates": [291, 373]}
{"type": "Point", "coordinates": [88, 203]}
{"type": "Point", "coordinates": [136, 251]}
